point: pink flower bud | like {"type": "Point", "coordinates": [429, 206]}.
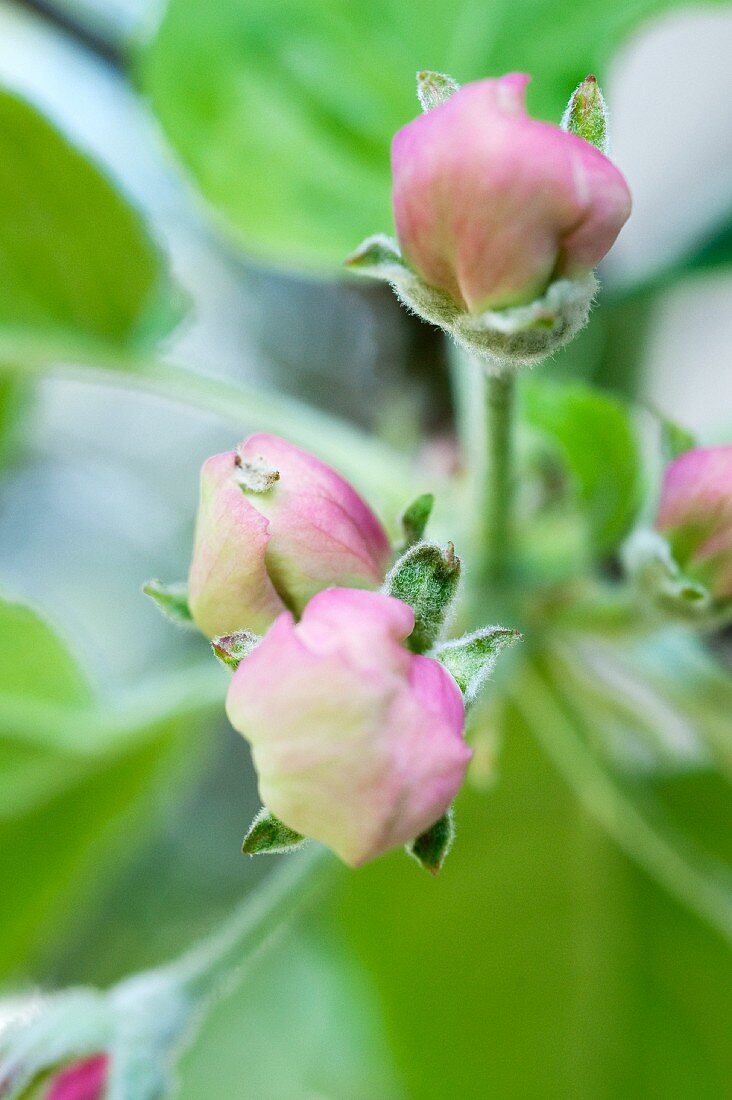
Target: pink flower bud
{"type": "Point", "coordinates": [695, 514]}
{"type": "Point", "coordinates": [85, 1080]}
{"type": "Point", "coordinates": [275, 526]}
{"type": "Point", "coordinates": [492, 205]}
{"type": "Point", "coordinates": [357, 742]}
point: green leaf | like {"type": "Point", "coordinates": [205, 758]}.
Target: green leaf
{"type": "Point", "coordinates": [268, 834]}
{"type": "Point", "coordinates": [79, 776]}
{"type": "Point", "coordinates": [231, 649]}
{"type": "Point", "coordinates": [470, 659]}
{"type": "Point", "coordinates": [586, 114]}
{"type": "Point", "coordinates": [585, 974]}
{"type": "Point", "coordinates": [659, 580]}
{"type": "Point", "coordinates": [74, 256]}
{"type": "Point", "coordinates": [433, 89]}
{"type": "Point", "coordinates": [675, 440]}
{"type": "Point", "coordinates": [171, 600]}
{"type": "Point", "coordinates": [318, 1001]}
{"type": "Point", "coordinates": [14, 402]}
{"type": "Point", "coordinates": [426, 578]}
{"type": "Point", "coordinates": [593, 433]}
{"type": "Point", "coordinates": [284, 113]}
{"type": "Point", "coordinates": [35, 662]}
{"type": "Point", "coordinates": [415, 517]}
{"type": "Point", "coordinates": [432, 847]}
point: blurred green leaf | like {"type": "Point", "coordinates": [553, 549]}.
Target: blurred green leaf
{"type": "Point", "coordinates": [35, 668]}
{"type": "Point", "coordinates": [78, 774]}
{"type": "Point", "coordinates": [675, 439]}
{"type": "Point", "coordinates": [284, 112]}
{"type": "Point", "coordinates": [58, 851]}
{"type": "Point", "coordinates": [302, 1023]}
{"type": "Point", "coordinates": [14, 400]}
{"type": "Point", "coordinates": [594, 435]}
{"type": "Point", "coordinates": [35, 662]}
{"type": "Point", "coordinates": [74, 256]}
{"type": "Point", "coordinates": [543, 962]}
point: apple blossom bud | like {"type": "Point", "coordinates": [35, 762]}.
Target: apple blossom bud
{"type": "Point", "coordinates": [357, 742]}
{"type": "Point", "coordinates": [84, 1080]}
{"type": "Point", "coordinates": [501, 220]}
{"type": "Point", "coordinates": [275, 526]}
{"type": "Point", "coordinates": [695, 515]}
{"type": "Point", "coordinates": [491, 205]}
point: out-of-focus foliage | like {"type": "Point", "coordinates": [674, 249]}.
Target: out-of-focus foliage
{"type": "Point", "coordinates": [312, 1028]}
{"type": "Point", "coordinates": [284, 112]}
{"type": "Point", "coordinates": [74, 257]}
{"type": "Point", "coordinates": [543, 962]}
{"type": "Point", "coordinates": [594, 434]}
{"type": "Point", "coordinates": [74, 772]}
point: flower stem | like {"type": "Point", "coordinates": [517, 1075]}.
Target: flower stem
{"type": "Point", "coordinates": [498, 484]}
{"type": "Point", "coordinates": [213, 966]}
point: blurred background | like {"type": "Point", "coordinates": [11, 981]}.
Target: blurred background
{"type": "Point", "coordinates": [543, 962]}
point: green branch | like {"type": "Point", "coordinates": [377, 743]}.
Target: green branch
{"type": "Point", "coordinates": [381, 472]}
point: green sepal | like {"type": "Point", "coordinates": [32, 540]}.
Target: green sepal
{"type": "Point", "coordinates": [414, 518]}
{"type": "Point", "coordinates": [231, 649]}
{"type": "Point", "coordinates": [586, 114]}
{"type": "Point", "coordinates": [426, 578]}
{"type": "Point", "coordinates": [471, 659]}
{"type": "Point", "coordinates": [267, 834]}
{"type": "Point", "coordinates": [675, 440]}
{"type": "Point", "coordinates": [172, 601]}
{"type": "Point", "coordinates": [379, 257]}
{"type": "Point", "coordinates": [434, 88]}
{"type": "Point", "coordinates": [431, 848]}
{"type": "Point", "coordinates": [649, 562]}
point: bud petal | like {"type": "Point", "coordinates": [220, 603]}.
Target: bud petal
{"type": "Point", "coordinates": [356, 741]}
{"type": "Point", "coordinates": [695, 515]}
{"type": "Point", "coordinates": [586, 114]}
{"type": "Point", "coordinates": [85, 1080]}
{"type": "Point", "coordinates": [426, 578]}
{"type": "Point", "coordinates": [275, 526]}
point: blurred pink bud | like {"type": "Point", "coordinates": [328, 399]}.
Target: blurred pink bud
{"type": "Point", "coordinates": [275, 526]}
{"type": "Point", "coordinates": [492, 205]}
{"type": "Point", "coordinates": [695, 514]}
{"type": "Point", "coordinates": [357, 741]}
{"type": "Point", "coordinates": [85, 1080]}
